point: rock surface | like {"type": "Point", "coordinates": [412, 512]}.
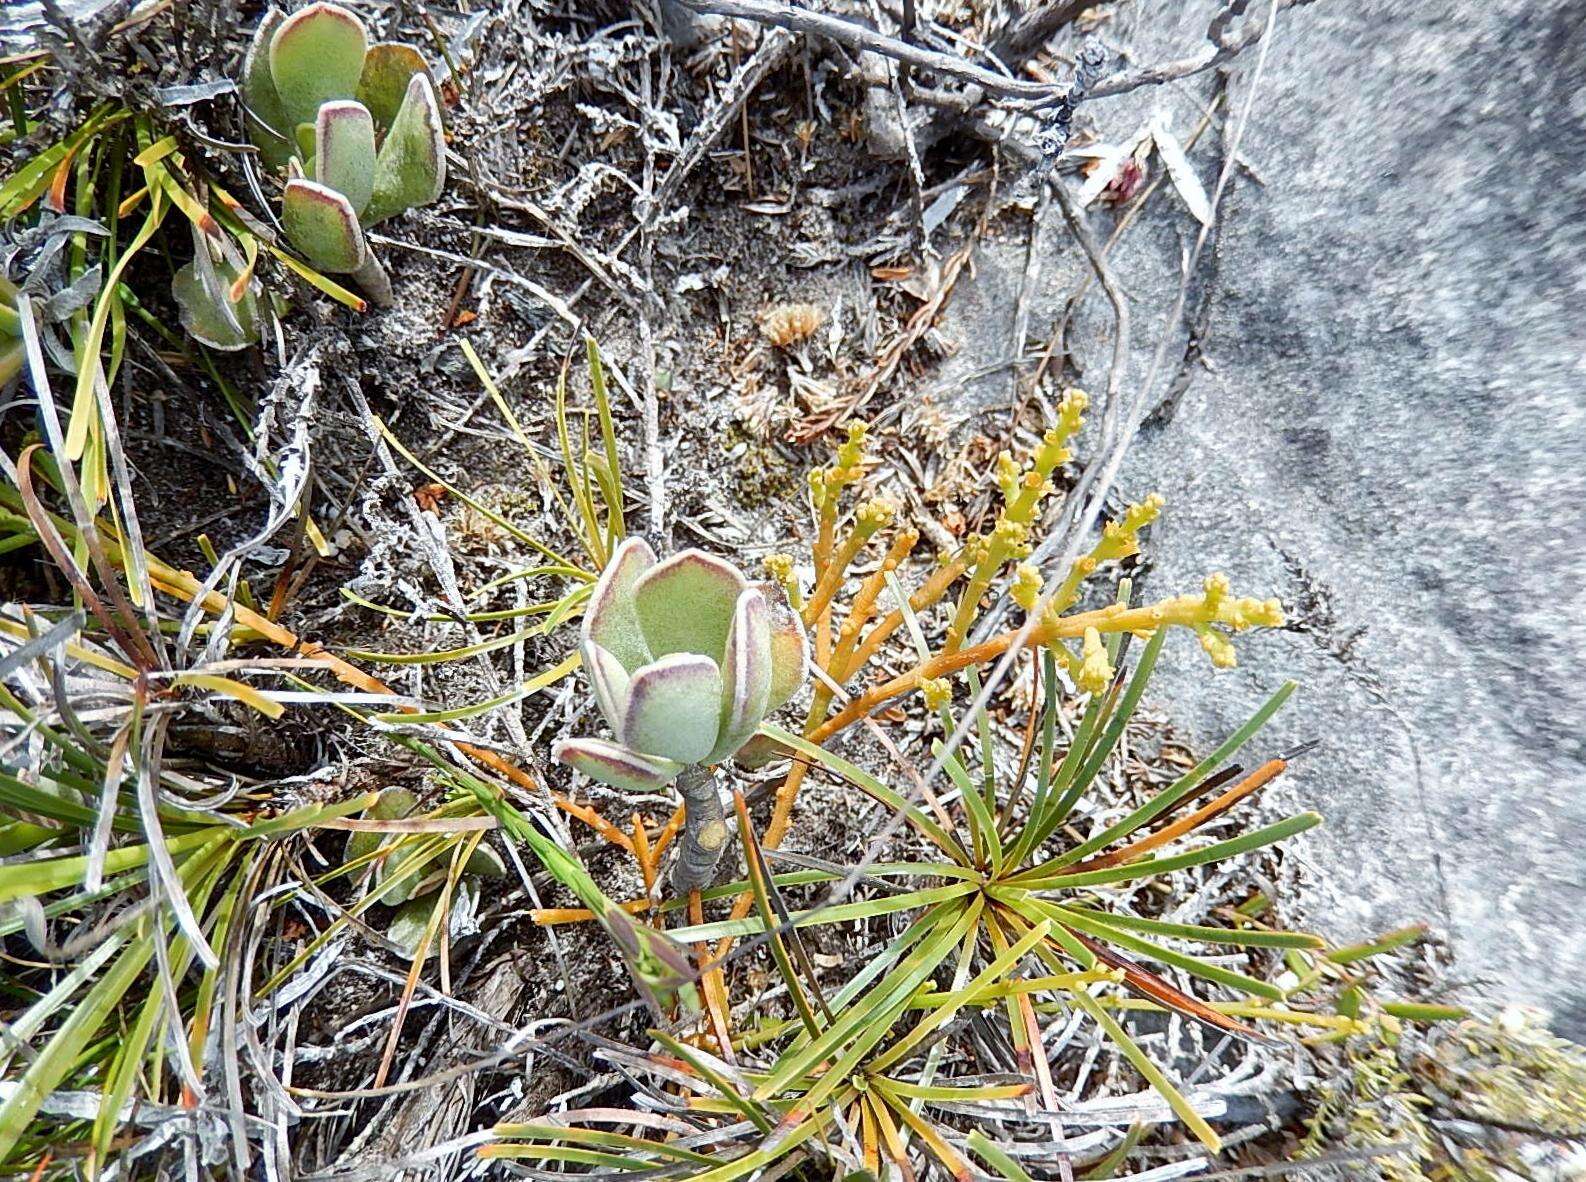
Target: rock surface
{"type": "Point", "coordinates": [1389, 434]}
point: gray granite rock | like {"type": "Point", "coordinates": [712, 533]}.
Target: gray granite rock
{"type": "Point", "coordinates": [1389, 434]}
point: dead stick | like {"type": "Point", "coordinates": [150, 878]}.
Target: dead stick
{"type": "Point", "coordinates": [859, 37]}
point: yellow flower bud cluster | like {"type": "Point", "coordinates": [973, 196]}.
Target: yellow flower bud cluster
{"type": "Point", "coordinates": [1120, 539]}
{"type": "Point", "coordinates": [1234, 615]}
{"type": "Point", "coordinates": [1218, 647]}
{"type": "Point", "coordinates": [1007, 475]}
{"type": "Point", "coordinates": [1054, 449]}
{"type": "Point", "coordinates": [847, 467]}
{"type": "Point", "coordinates": [851, 453]}
{"type": "Point", "coordinates": [1026, 590]}
{"type": "Point", "coordinates": [1237, 614]}
{"type": "Point", "coordinates": [1010, 539]}
{"type": "Point", "coordinates": [780, 569]}
{"type": "Point", "coordinates": [1023, 487]}
{"type": "Point", "coordinates": [875, 514]}
{"type": "Point", "coordinates": [937, 691]}
{"type": "Point", "coordinates": [1095, 670]}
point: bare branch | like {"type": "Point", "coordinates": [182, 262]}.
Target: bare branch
{"type": "Point", "coordinates": [858, 37]}
{"type": "Point", "coordinates": [1224, 46]}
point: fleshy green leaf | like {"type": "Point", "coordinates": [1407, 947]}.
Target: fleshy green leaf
{"type": "Point", "coordinates": [746, 674]}
{"type": "Point", "coordinates": [344, 151]}
{"type": "Point", "coordinates": [789, 647]}
{"type": "Point", "coordinates": [388, 67]}
{"type": "Point", "coordinates": [411, 169]}
{"type": "Point", "coordinates": [316, 55]}
{"type": "Point", "coordinates": [610, 682]}
{"type": "Point", "coordinates": [259, 95]}
{"type": "Point", "coordinates": [321, 223]}
{"type": "Point", "coordinates": [609, 618]}
{"type": "Point", "coordinates": [674, 708]}
{"type": "Point", "coordinates": [408, 925]}
{"type": "Point", "coordinates": [616, 765]}
{"type": "Point", "coordinates": [685, 604]}
{"type": "Point", "coordinates": [206, 311]}
{"type": "Point", "coordinates": [303, 134]}
{"type": "Point", "coordinates": [485, 862]}
{"type": "Point", "coordinates": [393, 804]}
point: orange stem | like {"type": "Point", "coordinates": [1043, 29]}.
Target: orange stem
{"type": "Point", "coordinates": [1254, 782]}
{"type": "Point", "coordinates": [927, 596]}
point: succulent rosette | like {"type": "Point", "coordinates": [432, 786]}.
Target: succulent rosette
{"type": "Point", "coordinates": [356, 125]}
{"type": "Point", "coordinates": [686, 658]}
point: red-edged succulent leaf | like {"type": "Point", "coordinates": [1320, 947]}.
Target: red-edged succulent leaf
{"type": "Point", "coordinates": [344, 152]}
{"type": "Point", "coordinates": [321, 223]}
{"type": "Point", "coordinates": [685, 604]}
{"type": "Point", "coordinates": [269, 128]}
{"type": "Point", "coordinates": [609, 617]}
{"type": "Point", "coordinates": [790, 651]}
{"type": "Point", "coordinates": [388, 68]}
{"type": "Point", "coordinates": [674, 708]}
{"type": "Point", "coordinates": [615, 765]}
{"type": "Point", "coordinates": [316, 55]}
{"type": "Point", "coordinates": [609, 680]}
{"type": "Point", "coordinates": [746, 673]}
{"type": "Point", "coordinates": [411, 168]}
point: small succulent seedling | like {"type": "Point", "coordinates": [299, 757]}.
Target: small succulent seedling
{"type": "Point", "coordinates": [686, 658]}
{"type": "Point", "coordinates": [403, 878]}
{"type": "Point", "coordinates": [356, 126]}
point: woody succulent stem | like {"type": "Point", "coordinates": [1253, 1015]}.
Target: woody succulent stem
{"type": "Point", "coordinates": [705, 832]}
{"type": "Point", "coordinates": [372, 277]}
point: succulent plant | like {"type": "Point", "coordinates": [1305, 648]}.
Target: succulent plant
{"type": "Point", "coordinates": [356, 126]}
{"type": "Point", "coordinates": [411, 888]}
{"type": "Point", "coordinates": [686, 657]}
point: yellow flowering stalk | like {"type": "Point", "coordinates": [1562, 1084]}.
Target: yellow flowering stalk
{"type": "Point", "coordinates": [872, 516]}
{"type": "Point", "coordinates": [826, 486]}
{"type": "Point", "coordinates": [1119, 540]}
{"type": "Point", "coordinates": [1023, 490]}
{"type": "Point", "coordinates": [1213, 612]}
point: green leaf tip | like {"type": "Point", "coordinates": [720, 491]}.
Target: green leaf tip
{"type": "Point", "coordinates": [344, 151]}
{"type": "Point", "coordinates": [411, 168]}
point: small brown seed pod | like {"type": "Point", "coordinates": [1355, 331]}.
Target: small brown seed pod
{"type": "Point", "coordinates": [787, 323]}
